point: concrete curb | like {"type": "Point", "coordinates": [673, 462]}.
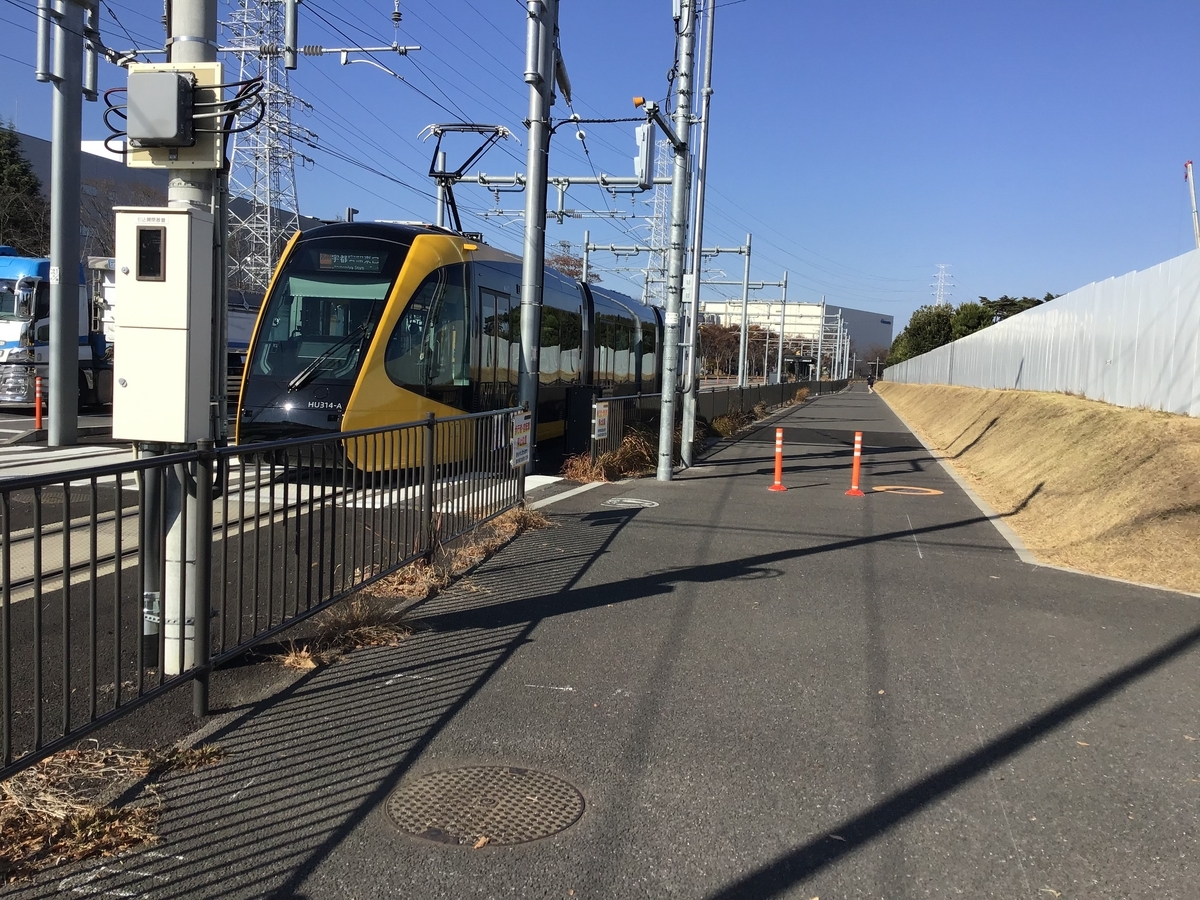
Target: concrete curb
{"type": "Point", "coordinates": [38, 436]}
{"type": "Point", "coordinates": [1005, 530]}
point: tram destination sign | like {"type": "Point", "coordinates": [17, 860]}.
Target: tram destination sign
{"type": "Point", "coordinates": [363, 263]}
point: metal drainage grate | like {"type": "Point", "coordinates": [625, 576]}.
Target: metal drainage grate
{"type": "Point", "coordinates": [504, 804]}
{"type": "Point", "coordinates": [630, 503]}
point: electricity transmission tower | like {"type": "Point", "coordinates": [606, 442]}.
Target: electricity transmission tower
{"type": "Point", "coordinates": [943, 286]}
{"type": "Point", "coordinates": [262, 165]}
{"type": "Point", "coordinates": [654, 291]}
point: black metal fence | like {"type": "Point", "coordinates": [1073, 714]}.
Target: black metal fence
{"type": "Point", "coordinates": [720, 401]}
{"type": "Point", "coordinates": [620, 414]}
{"type": "Point", "coordinates": [121, 582]}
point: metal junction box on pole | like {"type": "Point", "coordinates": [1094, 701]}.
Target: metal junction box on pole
{"type": "Point", "coordinates": [164, 279]}
{"type": "Point", "coordinates": [164, 130]}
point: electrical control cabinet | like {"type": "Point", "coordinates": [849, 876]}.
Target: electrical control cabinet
{"type": "Point", "coordinates": [163, 366]}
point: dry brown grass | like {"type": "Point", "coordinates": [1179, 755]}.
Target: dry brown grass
{"type": "Point", "coordinates": [800, 396]}
{"type": "Point", "coordinates": [1084, 484]}
{"type": "Point", "coordinates": [423, 579]}
{"type": "Point", "coordinates": [51, 813]}
{"type": "Point", "coordinates": [376, 615]}
{"type": "Point", "coordinates": [636, 455]}
{"type": "Point", "coordinates": [731, 422]}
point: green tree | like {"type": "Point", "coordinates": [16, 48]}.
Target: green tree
{"type": "Point", "coordinates": [929, 328]}
{"type": "Point", "coordinates": [24, 212]}
{"type": "Point", "coordinates": [1007, 306]}
{"type": "Point", "coordinates": [969, 318]}
{"type": "Point", "coordinates": [899, 352]}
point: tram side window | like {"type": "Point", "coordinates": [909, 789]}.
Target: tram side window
{"type": "Point", "coordinates": [648, 349]}
{"type": "Point", "coordinates": [429, 347]}
{"type": "Point", "coordinates": [548, 365]}
{"type": "Point", "coordinates": [571, 344]}
{"type": "Point", "coordinates": [603, 342]}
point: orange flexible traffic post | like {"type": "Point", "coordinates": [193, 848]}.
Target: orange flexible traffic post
{"type": "Point", "coordinates": [778, 485]}
{"type": "Point", "coordinates": [37, 402]}
{"type": "Point", "coordinates": [854, 491]}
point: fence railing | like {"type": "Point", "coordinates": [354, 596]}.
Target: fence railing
{"type": "Point", "coordinates": [121, 582]}
{"type": "Point", "coordinates": [620, 414]}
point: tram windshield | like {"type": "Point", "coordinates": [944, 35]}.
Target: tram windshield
{"type": "Point", "coordinates": [324, 308]}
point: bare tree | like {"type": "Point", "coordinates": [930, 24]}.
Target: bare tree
{"type": "Point", "coordinates": [568, 263]}
{"type": "Point", "coordinates": [96, 217]}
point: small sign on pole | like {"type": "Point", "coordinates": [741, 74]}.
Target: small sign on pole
{"type": "Point", "coordinates": [600, 420]}
{"type": "Point", "coordinates": [522, 432]}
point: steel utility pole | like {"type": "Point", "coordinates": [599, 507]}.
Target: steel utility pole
{"type": "Point", "coordinates": [66, 19]}
{"type": "Point", "coordinates": [192, 38]}
{"type": "Point", "coordinates": [692, 379]}
{"type": "Point", "coordinates": [1189, 177]}
{"type": "Point", "coordinates": [744, 340]}
{"type": "Point", "coordinates": [680, 183]}
{"type": "Point", "coordinates": [821, 338]}
{"type": "Point", "coordinates": [782, 330]}
{"type": "Point", "coordinates": [541, 37]}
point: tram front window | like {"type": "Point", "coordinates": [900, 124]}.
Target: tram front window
{"type": "Point", "coordinates": [324, 309]}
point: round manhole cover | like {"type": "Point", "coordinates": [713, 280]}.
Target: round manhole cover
{"type": "Point", "coordinates": [630, 503]}
{"type": "Point", "coordinates": [504, 804]}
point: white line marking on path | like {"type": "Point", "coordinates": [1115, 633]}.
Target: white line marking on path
{"type": "Point", "coordinates": [238, 792]}
{"type": "Point", "coordinates": [399, 675]}
{"type": "Point", "coordinates": [565, 494]}
{"type": "Point", "coordinates": [550, 687]}
{"type": "Point", "coordinates": [920, 555]}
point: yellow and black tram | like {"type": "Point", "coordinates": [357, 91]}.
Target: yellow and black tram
{"type": "Point", "coordinates": [374, 324]}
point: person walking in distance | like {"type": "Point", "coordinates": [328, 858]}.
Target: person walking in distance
{"type": "Point", "coordinates": [870, 384]}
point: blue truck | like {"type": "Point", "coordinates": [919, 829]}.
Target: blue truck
{"type": "Point", "coordinates": [25, 335]}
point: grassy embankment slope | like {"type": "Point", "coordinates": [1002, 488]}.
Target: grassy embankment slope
{"type": "Point", "coordinates": [1096, 487]}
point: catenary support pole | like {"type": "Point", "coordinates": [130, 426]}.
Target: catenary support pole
{"type": "Point", "coordinates": [1191, 180]}
{"type": "Point", "coordinates": [744, 339]}
{"type": "Point", "coordinates": [192, 37]}
{"type": "Point", "coordinates": [782, 330]}
{"type": "Point", "coordinates": [441, 191]}
{"type": "Point", "coordinates": [677, 243]}
{"type": "Point", "coordinates": [65, 174]}
{"type": "Point", "coordinates": [821, 338]}
{"type": "Point", "coordinates": [540, 39]}
{"type": "Point", "coordinates": [692, 381]}
{"type": "Point", "coordinates": [583, 269]}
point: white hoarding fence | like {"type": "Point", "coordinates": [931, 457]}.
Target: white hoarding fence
{"type": "Point", "coordinates": [1131, 341]}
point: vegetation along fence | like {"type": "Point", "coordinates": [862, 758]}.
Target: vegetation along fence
{"type": "Point", "coordinates": [617, 415]}
{"type": "Point", "coordinates": [99, 591]}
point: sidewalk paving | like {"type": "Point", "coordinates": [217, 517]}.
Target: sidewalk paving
{"type": "Point", "coordinates": [757, 694]}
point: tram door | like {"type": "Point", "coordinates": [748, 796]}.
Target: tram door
{"type": "Point", "coordinates": [500, 350]}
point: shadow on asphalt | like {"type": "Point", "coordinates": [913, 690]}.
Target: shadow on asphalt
{"type": "Point", "coordinates": [790, 869]}
{"type": "Point", "coordinates": [343, 764]}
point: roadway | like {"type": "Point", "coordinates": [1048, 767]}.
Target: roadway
{"type": "Point", "coordinates": [757, 694]}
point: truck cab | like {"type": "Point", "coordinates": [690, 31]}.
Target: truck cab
{"type": "Point", "coordinates": [25, 335]}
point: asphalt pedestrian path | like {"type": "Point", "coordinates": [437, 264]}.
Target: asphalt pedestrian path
{"type": "Point", "coordinates": [796, 694]}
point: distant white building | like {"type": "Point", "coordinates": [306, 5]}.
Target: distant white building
{"type": "Point", "coordinates": [802, 320]}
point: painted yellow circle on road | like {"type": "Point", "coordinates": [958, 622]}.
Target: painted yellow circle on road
{"type": "Point", "coordinates": [907, 491]}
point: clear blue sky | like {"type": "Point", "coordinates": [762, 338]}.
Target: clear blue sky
{"type": "Point", "coordinates": [1034, 146]}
